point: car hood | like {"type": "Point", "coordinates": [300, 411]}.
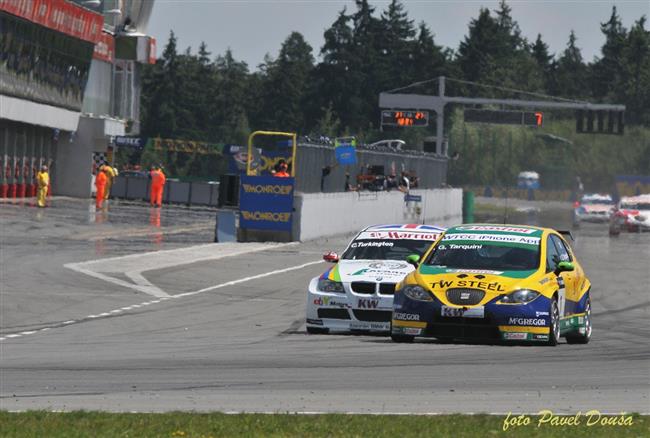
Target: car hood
{"type": "Point", "coordinates": [493, 283]}
{"type": "Point", "coordinates": [596, 208]}
{"type": "Point", "coordinates": [385, 271]}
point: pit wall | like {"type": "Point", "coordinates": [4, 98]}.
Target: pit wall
{"type": "Point", "coordinates": [328, 214]}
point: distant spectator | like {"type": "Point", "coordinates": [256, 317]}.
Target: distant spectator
{"type": "Point", "coordinates": [578, 189]}
{"type": "Point", "coordinates": [325, 171]}
{"type": "Point", "coordinates": [282, 169]}
{"type": "Point", "coordinates": [404, 185]}
{"type": "Point", "coordinates": [348, 186]}
{"type": "Point", "coordinates": [391, 182]}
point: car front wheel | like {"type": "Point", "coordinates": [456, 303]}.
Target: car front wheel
{"type": "Point", "coordinates": [554, 332]}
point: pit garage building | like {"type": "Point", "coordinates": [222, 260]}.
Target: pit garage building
{"type": "Point", "coordinates": [69, 81]}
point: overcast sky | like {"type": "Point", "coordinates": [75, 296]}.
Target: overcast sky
{"type": "Point", "coordinates": [252, 28]}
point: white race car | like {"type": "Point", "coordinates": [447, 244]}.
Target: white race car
{"type": "Point", "coordinates": [357, 292]}
{"type": "Point", "coordinates": [593, 207]}
{"type": "Point", "coordinates": [632, 214]}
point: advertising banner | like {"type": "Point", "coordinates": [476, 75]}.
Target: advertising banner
{"type": "Point", "coordinates": [58, 15]}
{"type": "Point", "coordinates": [345, 150]}
{"type": "Point", "coordinates": [105, 48]}
{"type": "Point", "coordinates": [266, 203]}
{"type": "Point", "coordinates": [130, 142]}
{"type": "Point", "coordinates": [188, 146]}
{"type": "Point", "coordinates": [632, 185]}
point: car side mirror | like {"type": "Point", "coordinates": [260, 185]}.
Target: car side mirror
{"type": "Point", "coordinates": [331, 257]}
{"type": "Point", "coordinates": [413, 259]}
{"type": "Point", "coordinates": [564, 267]}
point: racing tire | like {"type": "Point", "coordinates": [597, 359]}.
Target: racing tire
{"type": "Point", "coordinates": [582, 338]}
{"type": "Point", "coordinates": [554, 331]}
{"type": "Point", "coordinates": [402, 339]}
{"type": "Point", "coordinates": [318, 330]}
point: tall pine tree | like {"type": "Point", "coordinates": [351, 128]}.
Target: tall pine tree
{"type": "Point", "coordinates": [284, 89]}
{"type": "Point", "coordinates": [607, 70]}
{"type": "Point", "coordinates": [571, 71]}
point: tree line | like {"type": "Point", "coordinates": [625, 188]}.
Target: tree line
{"type": "Point", "coordinates": [203, 97]}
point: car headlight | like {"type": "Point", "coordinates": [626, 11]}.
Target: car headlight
{"type": "Point", "coordinates": [521, 296]}
{"type": "Point", "coordinates": [325, 285]}
{"type": "Point", "coordinates": [640, 218]}
{"type": "Point", "coordinates": [417, 293]}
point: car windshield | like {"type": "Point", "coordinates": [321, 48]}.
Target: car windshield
{"type": "Point", "coordinates": [487, 256]}
{"type": "Point", "coordinates": [636, 206]}
{"type": "Point", "coordinates": [597, 201]}
{"type": "Point", "coordinates": [385, 249]}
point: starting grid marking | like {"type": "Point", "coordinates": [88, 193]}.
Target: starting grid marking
{"type": "Point", "coordinates": [175, 257]}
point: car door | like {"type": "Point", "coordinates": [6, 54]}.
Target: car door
{"type": "Point", "coordinates": [574, 279]}
{"type": "Point", "coordinates": [563, 280]}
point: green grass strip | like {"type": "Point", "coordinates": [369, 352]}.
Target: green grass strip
{"type": "Point", "coordinates": [196, 425]}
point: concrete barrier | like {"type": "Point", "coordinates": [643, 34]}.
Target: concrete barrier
{"type": "Point", "coordinates": [176, 192]}
{"type": "Point", "coordinates": [328, 214]}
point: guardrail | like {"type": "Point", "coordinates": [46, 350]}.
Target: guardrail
{"type": "Point", "coordinates": [176, 192]}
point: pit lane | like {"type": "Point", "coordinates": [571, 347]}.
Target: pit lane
{"type": "Point", "coordinates": [243, 347]}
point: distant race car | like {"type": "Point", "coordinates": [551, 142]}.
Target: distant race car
{"type": "Point", "coordinates": [593, 207]}
{"type": "Point", "coordinates": [495, 283]}
{"type": "Point", "coordinates": [357, 292]}
{"type": "Point", "coordinates": [632, 214]}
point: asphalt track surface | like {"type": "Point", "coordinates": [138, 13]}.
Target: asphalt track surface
{"type": "Point", "coordinates": [220, 327]}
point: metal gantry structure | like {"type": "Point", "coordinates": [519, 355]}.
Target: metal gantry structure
{"type": "Point", "coordinates": [400, 101]}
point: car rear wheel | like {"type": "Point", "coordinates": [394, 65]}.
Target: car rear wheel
{"type": "Point", "coordinates": [554, 332]}
{"type": "Point", "coordinates": [582, 338]}
{"type": "Point", "coordinates": [402, 339]}
{"type": "Point", "coordinates": [317, 330]}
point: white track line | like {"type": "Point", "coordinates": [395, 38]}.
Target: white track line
{"type": "Point", "coordinates": [151, 289]}
{"type": "Point", "coordinates": [133, 265]}
{"type": "Point", "coordinates": [126, 309]}
{"type": "Point", "coordinates": [242, 280]}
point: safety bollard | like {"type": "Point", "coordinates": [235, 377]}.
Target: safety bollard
{"type": "Point", "coordinates": [12, 191]}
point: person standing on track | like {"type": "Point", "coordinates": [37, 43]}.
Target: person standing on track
{"type": "Point", "coordinates": [43, 181]}
{"type": "Point", "coordinates": [100, 184]}
{"type": "Point", "coordinates": [157, 186]}
{"type": "Point", "coordinates": [111, 173]}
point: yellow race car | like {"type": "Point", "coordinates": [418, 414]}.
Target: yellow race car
{"type": "Point", "coordinates": [496, 283]}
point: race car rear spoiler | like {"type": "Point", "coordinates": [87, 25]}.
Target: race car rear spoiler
{"type": "Point", "coordinates": [566, 234]}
